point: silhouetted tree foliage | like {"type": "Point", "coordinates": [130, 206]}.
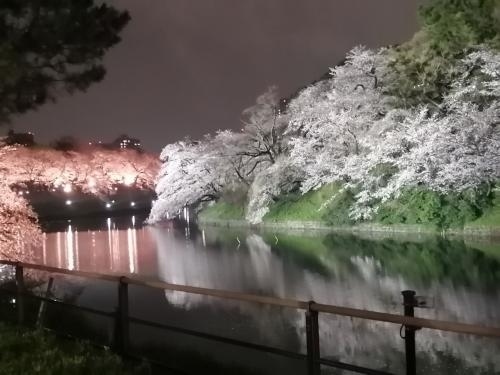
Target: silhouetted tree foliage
{"type": "Point", "coordinates": [66, 143]}
{"type": "Point", "coordinates": [48, 46]}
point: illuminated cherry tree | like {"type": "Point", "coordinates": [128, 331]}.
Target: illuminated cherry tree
{"type": "Point", "coordinates": [333, 119]}
{"type": "Point", "coordinates": [348, 130]}
{"type": "Point", "coordinates": [199, 171]}
{"type": "Point", "coordinates": [194, 172]}
{"type": "Point", "coordinates": [95, 172]}
{"type": "Point", "coordinates": [454, 149]}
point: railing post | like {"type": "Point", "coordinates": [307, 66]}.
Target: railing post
{"type": "Point", "coordinates": [20, 293]}
{"type": "Point", "coordinates": [312, 341]}
{"type": "Point", "coordinates": [40, 322]}
{"type": "Point", "coordinates": [409, 310]}
{"type": "Point", "coordinates": [121, 319]}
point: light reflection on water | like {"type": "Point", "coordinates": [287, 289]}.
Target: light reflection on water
{"type": "Point", "coordinates": [334, 269]}
{"type": "Point", "coordinates": [112, 249]}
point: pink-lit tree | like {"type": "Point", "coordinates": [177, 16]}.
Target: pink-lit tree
{"type": "Point", "coordinates": [94, 172]}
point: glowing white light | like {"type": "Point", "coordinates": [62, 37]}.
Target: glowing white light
{"type": "Point", "coordinates": [133, 220]}
{"type": "Point", "coordinates": [70, 251]}
{"type": "Point", "coordinates": [67, 188]}
{"type": "Point", "coordinates": [20, 193]}
{"type": "Point", "coordinates": [132, 204]}
{"type": "Point", "coordinates": [108, 205]}
{"type": "Point", "coordinates": [128, 180]}
{"type": "Point", "coordinates": [69, 203]}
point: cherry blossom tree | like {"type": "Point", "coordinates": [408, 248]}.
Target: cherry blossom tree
{"type": "Point", "coordinates": [19, 231]}
{"type": "Point", "coordinates": [332, 119]}
{"type": "Point", "coordinates": [348, 129]}
{"type": "Point", "coordinates": [280, 178]}
{"type": "Point", "coordinates": [264, 129]}
{"type": "Point", "coordinates": [453, 150]}
{"type": "Point", "coordinates": [193, 172]}
{"type": "Point", "coordinates": [199, 171]}
{"type": "Point", "coordinates": [95, 172]}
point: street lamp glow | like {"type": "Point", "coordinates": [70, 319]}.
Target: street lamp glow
{"type": "Point", "coordinates": [108, 205]}
{"type": "Point", "coordinates": [132, 204]}
{"type": "Point", "coordinates": [69, 203]}
{"type": "Point", "coordinates": [128, 180]}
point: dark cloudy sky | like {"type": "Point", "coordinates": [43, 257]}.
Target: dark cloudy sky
{"type": "Point", "coordinates": [188, 67]}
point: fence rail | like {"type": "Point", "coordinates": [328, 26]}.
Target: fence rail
{"type": "Point", "coordinates": [311, 308]}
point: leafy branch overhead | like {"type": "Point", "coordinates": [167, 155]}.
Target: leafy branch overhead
{"type": "Point", "coordinates": [425, 66]}
{"type": "Point", "coordinates": [49, 46]}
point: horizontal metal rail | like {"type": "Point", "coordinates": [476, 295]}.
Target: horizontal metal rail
{"type": "Point", "coordinates": [225, 340]}
{"type": "Point", "coordinates": [313, 357]}
{"type": "Point", "coordinates": [441, 325]}
{"type": "Point", "coordinates": [263, 348]}
{"type": "Point", "coordinates": [74, 307]}
{"type": "Point", "coordinates": [61, 303]}
{"type": "Point", "coordinates": [352, 368]}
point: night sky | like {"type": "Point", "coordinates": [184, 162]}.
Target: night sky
{"type": "Point", "coordinates": [189, 67]}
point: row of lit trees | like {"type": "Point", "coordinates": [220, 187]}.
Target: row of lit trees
{"type": "Point", "coordinates": [350, 130]}
{"type": "Point", "coordinates": [96, 173]}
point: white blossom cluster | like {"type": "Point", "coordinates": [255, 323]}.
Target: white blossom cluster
{"type": "Point", "coordinates": [347, 129]}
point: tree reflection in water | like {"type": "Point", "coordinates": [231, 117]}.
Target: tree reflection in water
{"type": "Point", "coordinates": [336, 269]}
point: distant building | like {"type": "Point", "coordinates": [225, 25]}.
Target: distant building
{"type": "Point", "coordinates": [125, 142]}
{"type": "Point", "coordinates": [283, 105]}
{"type": "Point", "coordinates": [23, 139]}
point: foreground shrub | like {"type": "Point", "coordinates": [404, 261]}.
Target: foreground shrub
{"type": "Point", "coordinates": [24, 351]}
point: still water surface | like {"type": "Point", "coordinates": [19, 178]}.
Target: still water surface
{"type": "Point", "coordinates": [460, 278]}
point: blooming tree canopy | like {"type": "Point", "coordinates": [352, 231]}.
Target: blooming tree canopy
{"type": "Point", "coordinates": [350, 130]}
{"type": "Point", "coordinates": [95, 172]}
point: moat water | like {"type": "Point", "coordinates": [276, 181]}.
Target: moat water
{"type": "Point", "coordinates": [460, 279]}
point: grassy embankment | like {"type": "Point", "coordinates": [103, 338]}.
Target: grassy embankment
{"type": "Point", "coordinates": [26, 351]}
{"type": "Point", "coordinates": [416, 210]}
{"type": "Point", "coordinates": [222, 210]}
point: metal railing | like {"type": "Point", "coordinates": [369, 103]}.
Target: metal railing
{"type": "Point", "coordinates": [312, 309]}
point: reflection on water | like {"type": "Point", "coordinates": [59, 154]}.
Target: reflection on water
{"type": "Point", "coordinates": [121, 248]}
{"type": "Point", "coordinates": [462, 279]}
